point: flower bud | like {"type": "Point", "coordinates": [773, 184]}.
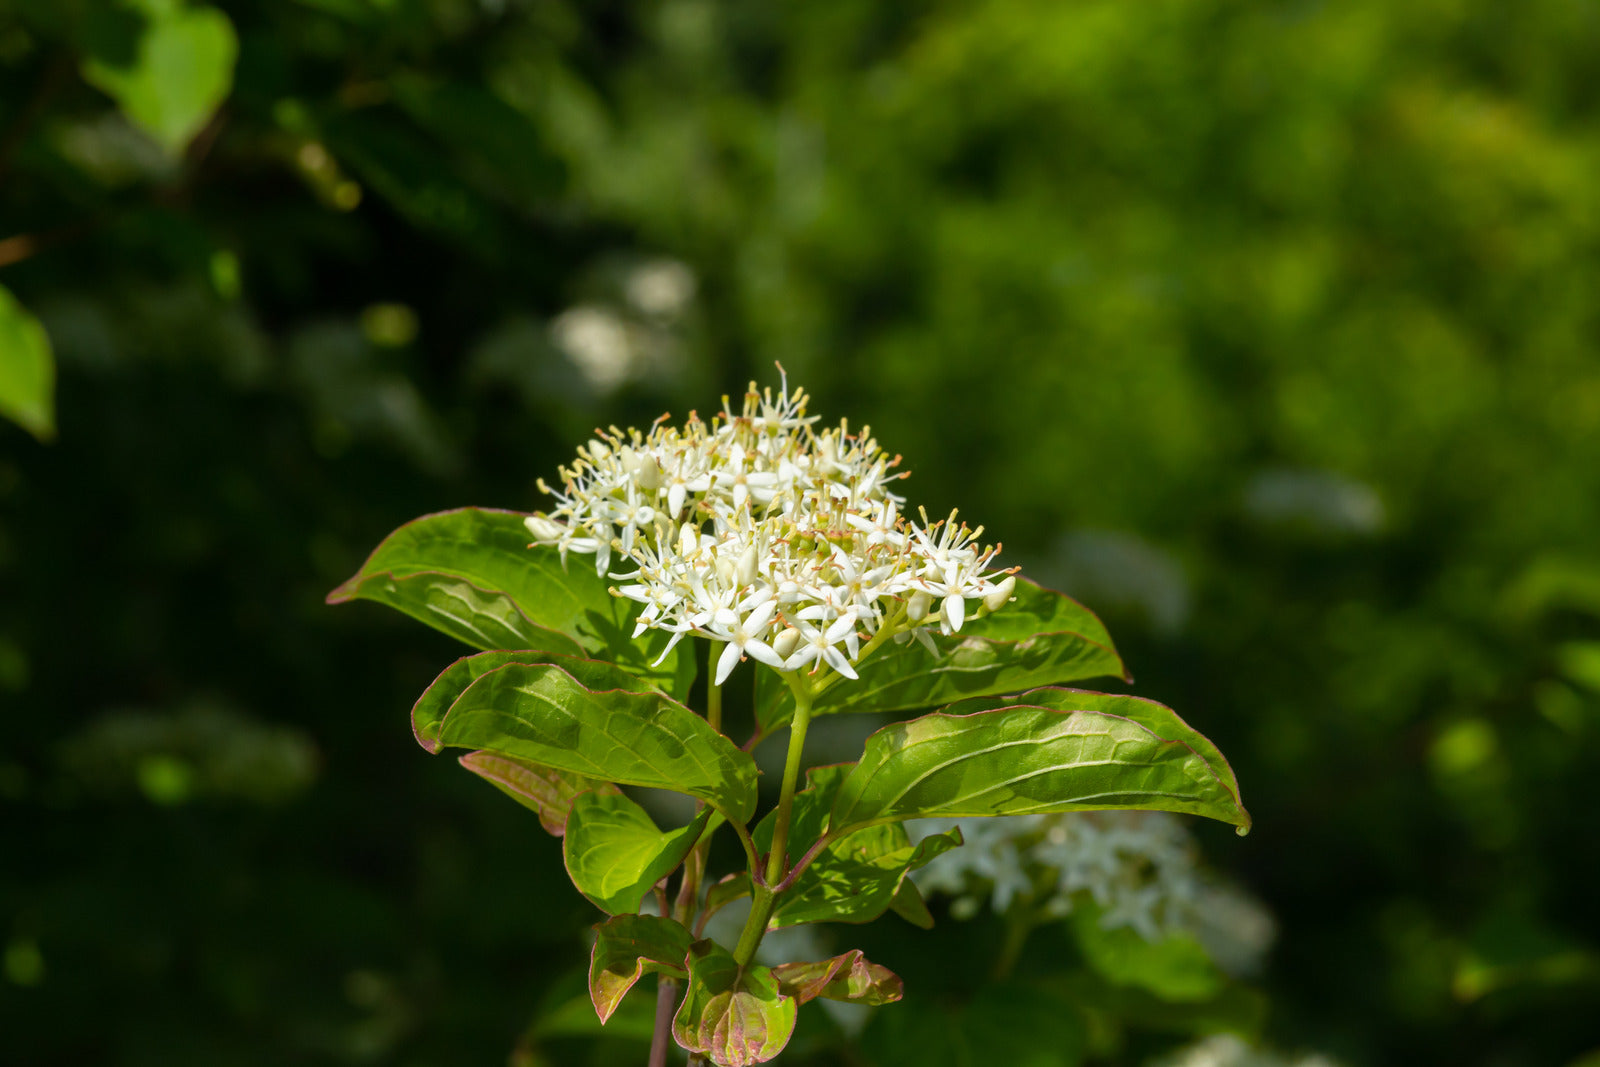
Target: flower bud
{"type": "Point", "coordinates": [785, 643]}
{"type": "Point", "coordinates": [543, 529]}
{"type": "Point", "coordinates": [917, 607]}
{"type": "Point", "coordinates": [649, 475]}
{"type": "Point", "coordinates": [688, 540]}
{"type": "Point", "coordinates": [1000, 595]}
{"type": "Point", "coordinates": [746, 571]}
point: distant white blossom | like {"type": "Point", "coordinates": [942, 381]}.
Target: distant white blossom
{"type": "Point", "coordinates": [759, 531]}
{"type": "Point", "coordinates": [1141, 869]}
{"type": "Point", "coordinates": [1227, 1050]}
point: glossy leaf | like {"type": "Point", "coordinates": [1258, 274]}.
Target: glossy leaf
{"type": "Point", "coordinates": [431, 708]}
{"type": "Point", "coordinates": [471, 573]}
{"type": "Point", "coordinates": [628, 946]}
{"type": "Point", "coordinates": [27, 370]}
{"type": "Point", "coordinates": [615, 854]}
{"type": "Point", "coordinates": [856, 878]}
{"type": "Point", "coordinates": [1083, 752]}
{"type": "Point", "coordinates": [543, 790]}
{"type": "Point", "coordinates": [849, 977]}
{"type": "Point", "coordinates": [1041, 638]}
{"type": "Point", "coordinates": [179, 73]}
{"type": "Point", "coordinates": [735, 1017]}
{"type": "Point", "coordinates": [541, 713]}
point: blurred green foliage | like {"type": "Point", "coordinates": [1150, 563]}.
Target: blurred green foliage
{"type": "Point", "coordinates": [1268, 329]}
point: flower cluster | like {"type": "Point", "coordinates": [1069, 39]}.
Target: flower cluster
{"type": "Point", "coordinates": [1140, 868]}
{"type": "Point", "coordinates": [757, 530]}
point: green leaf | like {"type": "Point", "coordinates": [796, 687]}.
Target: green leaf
{"type": "Point", "coordinates": [471, 573]}
{"type": "Point", "coordinates": [854, 879]}
{"type": "Point", "coordinates": [735, 1017]}
{"type": "Point", "coordinates": [727, 890]}
{"type": "Point", "coordinates": [909, 905]}
{"type": "Point", "coordinates": [1175, 967]}
{"type": "Point", "coordinates": [847, 977]}
{"type": "Point", "coordinates": [615, 854]}
{"type": "Point", "coordinates": [1041, 638]}
{"type": "Point", "coordinates": [431, 708]}
{"type": "Point", "coordinates": [27, 370]}
{"type": "Point", "coordinates": [180, 72]}
{"type": "Point", "coordinates": [543, 790]}
{"type": "Point", "coordinates": [541, 713]}
{"type": "Point", "coordinates": [1062, 750]}
{"type": "Point", "coordinates": [625, 948]}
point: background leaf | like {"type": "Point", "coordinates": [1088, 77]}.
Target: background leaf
{"type": "Point", "coordinates": [541, 713]}
{"type": "Point", "coordinates": [27, 370]}
{"type": "Point", "coordinates": [470, 573]}
{"type": "Point", "coordinates": [1114, 752]}
{"type": "Point", "coordinates": [1174, 967]}
{"type": "Point", "coordinates": [181, 70]}
{"type": "Point", "coordinates": [735, 1017]}
{"type": "Point", "coordinates": [1041, 638]}
{"type": "Point", "coordinates": [615, 853]}
{"type": "Point", "coordinates": [628, 946]}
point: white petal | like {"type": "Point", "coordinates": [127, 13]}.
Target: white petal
{"type": "Point", "coordinates": [758, 619]}
{"type": "Point", "coordinates": [843, 625]}
{"type": "Point", "coordinates": [675, 499]}
{"type": "Point", "coordinates": [671, 643]}
{"type": "Point", "coordinates": [729, 660]}
{"type": "Point", "coordinates": [757, 650]}
{"type": "Point", "coordinates": [837, 661]}
{"type": "Point", "coordinates": [955, 610]}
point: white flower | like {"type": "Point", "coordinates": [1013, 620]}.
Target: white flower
{"type": "Point", "coordinates": [758, 507]}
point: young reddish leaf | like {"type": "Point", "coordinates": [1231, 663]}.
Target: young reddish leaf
{"type": "Point", "coordinates": [615, 854]}
{"type": "Point", "coordinates": [734, 1016]}
{"type": "Point", "coordinates": [628, 946]}
{"type": "Point", "coordinates": [544, 790]}
{"type": "Point", "coordinates": [846, 977]}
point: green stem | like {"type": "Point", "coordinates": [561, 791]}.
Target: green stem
{"type": "Point", "coordinates": [762, 900]}
{"type": "Point", "coordinates": [778, 859]}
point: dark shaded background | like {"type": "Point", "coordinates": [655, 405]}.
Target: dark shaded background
{"type": "Point", "coordinates": [1267, 329]}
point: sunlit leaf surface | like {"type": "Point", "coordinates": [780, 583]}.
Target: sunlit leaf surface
{"type": "Point", "coordinates": [541, 713]}
{"type": "Point", "coordinates": [615, 854]}
{"type": "Point", "coordinates": [1057, 750]}
{"type": "Point", "coordinates": [471, 573]}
